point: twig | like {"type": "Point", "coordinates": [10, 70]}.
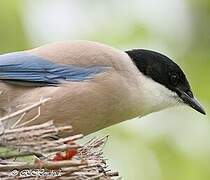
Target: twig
{"type": "Point", "coordinates": [25, 110]}
{"type": "Point", "coordinates": [85, 163]}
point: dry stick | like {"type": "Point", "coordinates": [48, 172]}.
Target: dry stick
{"type": "Point", "coordinates": [70, 170]}
{"type": "Point", "coordinates": [62, 148]}
{"type": "Point", "coordinates": [39, 127]}
{"type": "Point", "coordinates": [33, 140]}
{"type": "Point", "coordinates": [44, 146]}
{"type": "Point", "coordinates": [31, 120]}
{"type": "Point", "coordinates": [94, 176]}
{"type": "Point", "coordinates": [34, 127]}
{"type": "Point", "coordinates": [21, 154]}
{"type": "Point", "coordinates": [25, 110]}
{"type": "Point", "coordinates": [21, 117]}
{"type": "Point", "coordinates": [48, 165]}
{"type": "Point", "coordinates": [70, 138]}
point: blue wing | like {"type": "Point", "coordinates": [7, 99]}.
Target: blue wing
{"type": "Point", "coordinates": [26, 69]}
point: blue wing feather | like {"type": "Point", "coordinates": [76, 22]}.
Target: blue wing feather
{"type": "Point", "coordinates": [26, 68]}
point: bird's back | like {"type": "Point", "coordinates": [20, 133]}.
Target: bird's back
{"type": "Point", "coordinates": [82, 53]}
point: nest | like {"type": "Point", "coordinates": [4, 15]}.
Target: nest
{"type": "Point", "coordinates": [37, 152]}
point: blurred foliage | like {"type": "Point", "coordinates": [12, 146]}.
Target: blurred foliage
{"type": "Point", "coordinates": [12, 36]}
{"type": "Point", "coordinates": [198, 55]}
{"type": "Point", "coordinates": [156, 159]}
{"type": "Point", "coordinates": [113, 35]}
{"type": "Point", "coordinates": [135, 156]}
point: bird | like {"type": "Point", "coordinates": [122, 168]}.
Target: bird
{"type": "Point", "coordinates": [91, 85]}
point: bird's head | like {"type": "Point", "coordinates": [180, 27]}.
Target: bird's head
{"type": "Point", "coordinates": [166, 82]}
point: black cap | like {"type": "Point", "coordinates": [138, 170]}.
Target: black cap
{"type": "Point", "coordinates": [164, 71]}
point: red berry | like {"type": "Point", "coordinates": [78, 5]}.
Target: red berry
{"type": "Point", "coordinates": [58, 157]}
{"type": "Point", "coordinates": [70, 153]}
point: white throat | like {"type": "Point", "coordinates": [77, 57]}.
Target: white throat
{"type": "Point", "coordinates": [152, 96]}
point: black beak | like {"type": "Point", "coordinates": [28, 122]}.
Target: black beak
{"type": "Point", "coordinates": [192, 102]}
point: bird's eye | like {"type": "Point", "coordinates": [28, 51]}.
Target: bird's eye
{"type": "Point", "coordinates": [174, 79]}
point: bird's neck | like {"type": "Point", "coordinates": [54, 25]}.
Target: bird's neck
{"type": "Point", "coordinates": [149, 96]}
